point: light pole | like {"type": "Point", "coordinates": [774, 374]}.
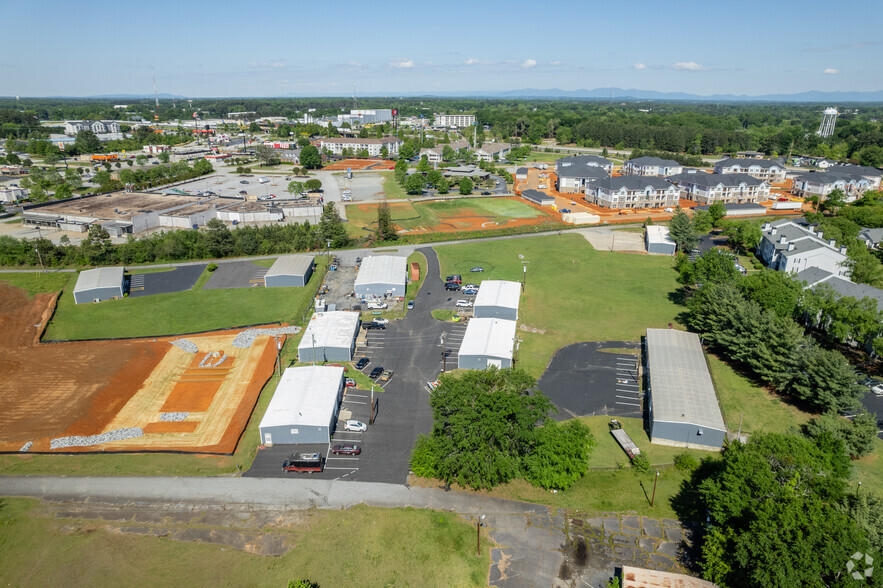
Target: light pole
{"type": "Point", "coordinates": [40, 257]}
{"type": "Point", "coordinates": [655, 479]}
{"type": "Point", "coordinates": [278, 358]}
{"type": "Point", "coordinates": [478, 524]}
{"type": "Point", "coordinates": [444, 356]}
{"type": "Point", "coordinates": [328, 249]}
{"type": "Point", "coordinates": [523, 275]}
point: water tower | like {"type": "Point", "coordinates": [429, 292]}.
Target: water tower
{"type": "Point", "coordinates": [829, 119]}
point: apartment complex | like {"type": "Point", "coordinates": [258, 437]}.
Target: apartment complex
{"type": "Point", "coordinates": [99, 127]}
{"type": "Point", "coordinates": [790, 246]}
{"type": "Point", "coordinates": [574, 173]}
{"type": "Point", "coordinates": [762, 169]}
{"type": "Point", "coordinates": [651, 166]}
{"type": "Point", "coordinates": [454, 120]}
{"type": "Point", "coordinates": [337, 144]}
{"type": "Point", "coordinates": [491, 151]}
{"type": "Point", "coordinates": [435, 154]}
{"type": "Point", "coordinates": [632, 192]}
{"type": "Point", "coordinates": [853, 180]}
{"type": "Point", "coordinates": [730, 188]}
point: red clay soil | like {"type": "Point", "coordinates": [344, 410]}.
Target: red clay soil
{"type": "Point", "coordinates": [358, 164]}
{"type": "Point", "coordinates": [171, 427]}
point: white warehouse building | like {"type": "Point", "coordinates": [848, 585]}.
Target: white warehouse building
{"type": "Point", "coordinates": [329, 336]}
{"type": "Point", "coordinates": [497, 299]}
{"type": "Point", "coordinates": [381, 275]}
{"type": "Point", "coordinates": [487, 342]}
{"type": "Point", "coordinates": [305, 406]}
{"type": "Point", "coordinates": [99, 284]}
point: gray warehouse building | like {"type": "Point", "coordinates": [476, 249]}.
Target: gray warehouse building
{"type": "Point", "coordinates": [659, 241]}
{"type": "Point", "coordinates": [538, 197]}
{"type": "Point", "coordinates": [99, 284]}
{"type": "Point", "coordinates": [684, 411]}
{"type": "Point", "coordinates": [487, 342]}
{"type": "Point", "coordinates": [497, 299]}
{"type": "Point", "coordinates": [289, 270]}
{"type": "Point", "coordinates": [330, 336]}
{"type": "Point", "coordinates": [304, 407]}
{"type": "Point", "coordinates": [380, 275]}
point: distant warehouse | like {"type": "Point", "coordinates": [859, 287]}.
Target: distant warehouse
{"type": "Point", "coordinates": [538, 197]}
{"type": "Point", "coordinates": [497, 299]}
{"type": "Point", "coordinates": [684, 411]}
{"type": "Point", "coordinates": [305, 406]}
{"type": "Point", "coordinates": [289, 270]}
{"type": "Point", "coordinates": [487, 342]}
{"type": "Point", "coordinates": [380, 275]}
{"type": "Point", "coordinates": [99, 284]}
{"type": "Point", "coordinates": [329, 336]}
{"type": "Point", "coordinates": [659, 241]}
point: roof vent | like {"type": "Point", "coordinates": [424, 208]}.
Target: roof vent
{"type": "Point", "coordinates": [832, 242]}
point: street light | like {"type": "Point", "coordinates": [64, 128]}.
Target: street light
{"type": "Point", "coordinates": [655, 479]}
{"type": "Point", "coordinates": [328, 250]}
{"type": "Point", "coordinates": [478, 524]}
{"type": "Point", "coordinates": [444, 356]}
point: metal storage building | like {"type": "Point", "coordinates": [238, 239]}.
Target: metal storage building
{"type": "Point", "coordinates": [497, 299]}
{"type": "Point", "coordinates": [684, 411]}
{"type": "Point", "coordinates": [659, 241]}
{"type": "Point", "coordinates": [380, 275]}
{"type": "Point", "coordinates": [99, 284]}
{"type": "Point", "coordinates": [304, 407]}
{"type": "Point", "coordinates": [289, 270]}
{"type": "Point", "coordinates": [538, 197]}
{"type": "Point", "coordinates": [487, 342]}
{"type": "Point", "coordinates": [330, 336]}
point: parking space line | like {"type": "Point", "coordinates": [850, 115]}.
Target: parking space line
{"type": "Point", "coordinates": [627, 397]}
{"type": "Point", "coordinates": [627, 384]}
{"type": "Point", "coordinates": [353, 402]}
{"type": "Point", "coordinates": [628, 403]}
{"type": "Point", "coordinates": [333, 468]}
{"type": "Point", "coordinates": [349, 458]}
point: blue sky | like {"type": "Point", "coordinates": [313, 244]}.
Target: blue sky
{"type": "Point", "coordinates": [273, 48]}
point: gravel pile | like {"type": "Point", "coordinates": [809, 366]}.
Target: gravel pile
{"type": "Point", "coordinates": [244, 339]}
{"type": "Point", "coordinates": [173, 417]}
{"type": "Point", "coordinates": [188, 346]}
{"type": "Point", "coordinates": [90, 440]}
{"type": "Point", "coordinates": [26, 446]}
{"type": "Point", "coordinates": [206, 361]}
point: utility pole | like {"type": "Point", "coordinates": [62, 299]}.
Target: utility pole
{"type": "Point", "coordinates": [655, 479]}
{"type": "Point", "coordinates": [444, 355]}
{"type": "Point", "coordinates": [478, 524]}
{"type": "Point", "coordinates": [524, 276]}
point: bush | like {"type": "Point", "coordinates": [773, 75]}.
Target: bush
{"type": "Point", "coordinates": [640, 463]}
{"type": "Point", "coordinates": [423, 457]}
{"type": "Point", "coordinates": [686, 462]}
{"type": "Point", "coordinates": [211, 267]}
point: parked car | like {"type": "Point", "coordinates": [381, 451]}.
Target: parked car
{"type": "Point", "coordinates": [346, 198]}
{"type": "Point", "coordinates": [470, 291]}
{"type": "Point", "coordinates": [377, 305]}
{"type": "Point", "coordinates": [362, 363]}
{"type": "Point", "coordinates": [477, 268]}
{"type": "Point", "coordinates": [386, 375]}
{"type": "Point", "coordinates": [376, 372]}
{"type": "Point", "coordinates": [564, 210]}
{"type": "Point", "coordinates": [454, 279]}
{"type": "Point", "coordinates": [410, 304]}
{"type": "Point", "coordinates": [264, 180]}
{"type": "Point", "coordinates": [485, 193]}
{"type": "Point", "coordinates": [372, 326]}
{"type": "Point", "coordinates": [380, 321]}
{"type": "Point", "coordinates": [470, 287]}
{"type": "Point", "coordinates": [464, 303]}
{"type": "Point", "coordinates": [452, 286]}
{"type": "Point", "coordinates": [346, 449]}
{"type": "Point", "coordinates": [357, 426]}
{"type": "Point", "coordinates": [350, 383]}
{"type": "Point", "coordinates": [243, 181]}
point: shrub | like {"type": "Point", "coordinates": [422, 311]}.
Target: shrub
{"type": "Point", "coordinates": [423, 457]}
{"type": "Point", "coordinates": [686, 462]}
{"type": "Point", "coordinates": [211, 267]}
{"type": "Point", "coordinates": [640, 463]}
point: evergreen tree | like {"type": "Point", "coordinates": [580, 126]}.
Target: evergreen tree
{"type": "Point", "coordinates": [331, 228]}
{"type": "Point", "coordinates": [682, 232]}
{"type": "Point", "coordinates": [386, 230]}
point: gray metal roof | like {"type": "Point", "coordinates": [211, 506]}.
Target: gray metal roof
{"type": "Point", "coordinates": [305, 396]}
{"type": "Point", "coordinates": [582, 166]}
{"type": "Point", "coordinates": [102, 277]}
{"type": "Point", "coordinates": [291, 265]}
{"type": "Point", "coordinates": [703, 179]}
{"type": "Point", "coordinates": [537, 196]}
{"type": "Point", "coordinates": [488, 336]}
{"type": "Point", "coordinates": [330, 329]}
{"type": "Point", "coordinates": [747, 162]}
{"type": "Point", "coordinates": [632, 183]}
{"type": "Point", "coordinates": [658, 234]}
{"type": "Point", "coordinates": [500, 293]}
{"type": "Point", "coordinates": [382, 269]}
{"type": "Point", "coordinates": [647, 160]}
{"type": "Point", "coordinates": [681, 387]}
{"type": "Point", "coordinates": [737, 206]}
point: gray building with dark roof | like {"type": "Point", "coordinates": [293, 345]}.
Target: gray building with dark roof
{"type": "Point", "coordinates": [575, 172]}
{"type": "Point", "coordinates": [289, 270]}
{"type": "Point", "coordinates": [632, 192]}
{"type": "Point", "coordinates": [538, 197]}
{"type": "Point", "coordinates": [851, 179]}
{"type": "Point", "coordinates": [790, 246]}
{"type": "Point", "coordinates": [651, 166]}
{"type": "Point", "coordinates": [761, 169]}
{"type": "Point", "coordinates": [727, 188]}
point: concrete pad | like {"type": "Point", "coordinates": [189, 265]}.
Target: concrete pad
{"type": "Point", "coordinates": [676, 534]}
{"type": "Point", "coordinates": [669, 548]}
{"type": "Point", "coordinates": [652, 528]}
{"type": "Point", "coordinates": [611, 524]}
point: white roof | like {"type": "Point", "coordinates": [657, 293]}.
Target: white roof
{"type": "Point", "coordinates": [382, 269]}
{"type": "Point", "coordinates": [305, 396]}
{"type": "Point", "coordinates": [102, 277]}
{"type": "Point", "coordinates": [330, 329]}
{"type": "Point", "coordinates": [681, 387]}
{"type": "Point", "coordinates": [498, 293]}
{"type": "Point", "coordinates": [291, 265]}
{"type": "Point", "coordinates": [489, 336]}
{"type": "Point", "coordinates": [658, 234]}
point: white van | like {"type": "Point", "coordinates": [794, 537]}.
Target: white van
{"type": "Point", "coordinates": [264, 180]}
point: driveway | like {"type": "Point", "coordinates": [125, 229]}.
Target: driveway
{"type": "Point", "coordinates": [177, 280]}
{"type": "Point", "coordinates": [607, 239]}
{"type": "Point", "coordinates": [237, 274]}
{"type": "Point", "coordinates": [331, 191]}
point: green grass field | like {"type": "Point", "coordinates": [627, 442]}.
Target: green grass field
{"type": "Point", "coordinates": [573, 293]}
{"type": "Point", "coordinates": [548, 157]}
{"type": "Point", "coordinates": [357, 547]}
{"type": "Point", "coordinates": [391, 188]}
{"type": "Point", "coordinates": [37, 283]}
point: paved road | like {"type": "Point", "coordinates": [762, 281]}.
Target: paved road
{"type": "Point", "coordinates": [331, 191]}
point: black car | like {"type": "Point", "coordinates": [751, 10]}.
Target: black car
{"type": "Point", "coordinates": [362, 363]}
{"type": "Point", "coordinates": [373, 327]}
{"type": "Point", "coordinates": [376, 372]}
{"type": "Point", "coordinates": [485, 193]}
{"type": "Point", "coordinates": [452, 286]}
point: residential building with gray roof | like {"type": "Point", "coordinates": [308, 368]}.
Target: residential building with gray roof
{"type": "Point", "coordinates": [727, 188]}
{"type": "Point", "coordinates": [651, 166]}
{"type": "Point", "coordinates": [575, 172]}
{"type": "Point", "coordinates": [844, 287]}
{"type": "Point", "coordinates": [852, 180]}
{"type": "Point", "coordinates": [632, 192]}
{"type": "Point", "coordinates": [789, 246]}
{"type": "Point", "coordinates": [762, 169]}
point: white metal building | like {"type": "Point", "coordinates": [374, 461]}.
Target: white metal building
{"type": "Point", "coordinates": [487, 342]}
{"type": "Point", "coordinates": [99, 284]}
{"type": "Point", "coordinates": [304, 407]}
{"type": "Point", "coordinates": [329, 336]}
{"type": "Point", "coordinates": [659, 241]}
{"type": "Point", "coordinates": [454, 120]}
{"type": "Point", "coordinates": [497, 299]}
{"type": "Point", "coordinates": [684, 411]}
{"type": "Point", "coordinates": [380, 275]}
{"type": "Point", "coordinates": [289, 270]}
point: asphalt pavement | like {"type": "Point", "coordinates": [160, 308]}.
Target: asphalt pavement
{"type": "Point", "coordinates": [178, 279]}
{"type": "Point", "coordinates": [237, 274]}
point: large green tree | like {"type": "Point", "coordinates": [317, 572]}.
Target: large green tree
{"type": "Point", "coordinates": [331, 228]}
{"type": "Point", "coordinates": [386, 230]}
{"type": "Point", "coordinates": [682, 231]}
{"type": "Point", "coordinates": [465, 185]}
{"type": "Point", "coordinates": [415, 183]}
{"type": "Point", "coordinates": [87, 142]}
{"type": "Point", "coordinates": [310, 157]}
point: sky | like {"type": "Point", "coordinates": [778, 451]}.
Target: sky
{"type": "Point", "coordinates": [298, 48]}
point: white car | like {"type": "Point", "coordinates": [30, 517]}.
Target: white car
{"type": "Point", "coordinates": [346, 198]}
{"type": "Point", "coordinates": [470, 287]}
{"type": "Point", "coordinates": [464, 303]}
{"type": "Point", "coordinates": [264, 181]}
{"type": "Point", "coordinates": [357, 426]}
{"type": "Point", "coordinates": [377, 305]}
{"type": "Point", "coordinates": [380, 321]}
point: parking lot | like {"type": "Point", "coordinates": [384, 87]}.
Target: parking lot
{"type": "Point", "coordinates": [583, 379]}
{"type": "Point", "coordinates": [237, 274]}
{"type": "Point", "coordinates": [225, 182]}
{"type": "Point", "coordinates": [177, 280]}
{"type": "Point", "coordinates": [874, 404]}
{"type": "Point", "coordinates": [364, 186]}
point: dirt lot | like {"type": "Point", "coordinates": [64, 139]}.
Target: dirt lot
{"type": "Point", "coordinates": [86, 388]}
{"type": "Point", "coordinates": [356, 164]}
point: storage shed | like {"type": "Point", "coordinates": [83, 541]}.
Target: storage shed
{"type": "Point", "coordinates": [289, 270]}
{"type": "Point", "coordinates": [487, 342]}
{"type": "Point", "coordinates": [659, 241]}
{"type": "Point", "coordinates": [738, 209]}
{"type": "Point", "coordinates": [497, 299]}
{"type": "Point", "coordinates": [684, 411]}
{"type": "Point", "coordinates": [380, 275]}
{"type": "Point", "coordinates": [329, 336]}
{"type": "Point", "coordinates": [538, 197]}
{"type": "Point", "coordinates": [305, 406]}
{"type": "Point", "coordinates": [99, 284]}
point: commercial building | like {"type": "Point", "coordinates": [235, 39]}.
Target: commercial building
{"type": "Point", "coordinates": [735, 188]}
{"type": "Point", "coordinates": [103, 283]}
{"type": "Point", "coordinates": [454, 120]}
{"type": "Point", "coordinates": [788, 246]}
{"type": "Point", "coordinates": [632, 192]}
{"type": "Point", "coordinates": [575, 172]}
{"type": "Point", "coordinates": [684, 411]}
{"type": "Point", "coordinates": [289, 270]}
{"type": "Point", "coordinates": [382, 275]}
{"type": "Point", "coordinates": [487, 342]}
{"type": "Point", "coordinates": [659, 241]}
{"type": "Point", "coordinates": [373, 146]}
{"type": "Point", "coordinates": [329, 336]}
{"type": "Point", "coordinates": [10, 194]}
{"type": "Point", "coordinates": [651, 166]}
{"type": "Point", "coordinates": [761, 169]}
{"type": "Point", "coordinates": [304, 407]}
{"type": "Point", "coordinates": [538, 197]}
{"type": "Point", "coordinates": [497, 299]}
{"type": "Point", "coordinates": [493, 151]}
{"type": "Point", "coordinates": [72, 127]}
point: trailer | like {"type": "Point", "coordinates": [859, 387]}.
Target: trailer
{"type": "Point", "coordinates": [623, 439]}
{"type": "Point", "coordinates": [787, 205]}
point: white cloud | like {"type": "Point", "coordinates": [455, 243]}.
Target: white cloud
{"type": "Point", "coordinates": [689, 66]}
{"type": "Point", "coordinates": [472, 61]}
{"type": "Point", "coordinates": [354, 64]}
{"type": "Point", "coordinates": [830, 71]}
{"type": "Point", "coordinates": [402, 63]}
{"type": "Point", "coordinates": [529, 63]}
{"type": "Point", "coordinates": [554, 63]}
{"type": "Point", "coordinates": [640, 66]}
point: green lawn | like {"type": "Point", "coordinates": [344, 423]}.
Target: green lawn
{"type": "Point", "coordinates": [607, 454]}
{"type": "Point", "coordinates": [391, 187]}
{"type": "Point", "coordinates": [395, 547]}
{"type": "Point", "coordinates": [548, 157]}
{"type": "Point", "coordinates": [36, 283]}
{"type": "Point", "coordinates": [148, 270]}
{"type": "Point", "coordinates": [573, 293]}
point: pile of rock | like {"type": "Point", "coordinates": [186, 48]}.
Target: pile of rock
{"type": "Point", "coordinates": [188, 346]}
{"type": "Point", "coordinates": [90, 440]}
{"type": "Point", "coordinates": [245, 338]}
{"type": "Point", "coordinates": [27, 446]}
{"type": "Point", "coordinates": [173, 417]}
